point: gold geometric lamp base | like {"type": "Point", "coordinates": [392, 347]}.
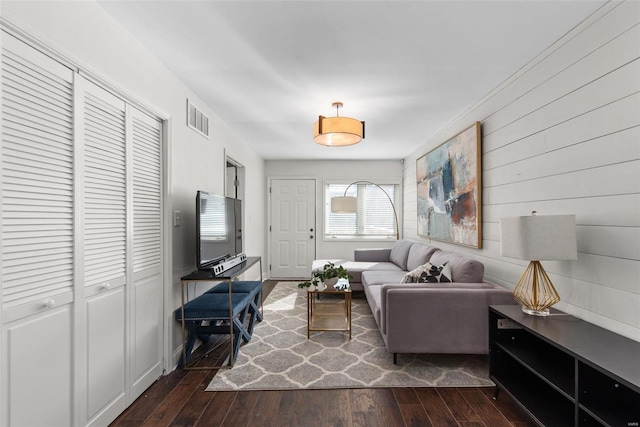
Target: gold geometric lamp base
{"type": "Point", "coordinates": [535, 290]}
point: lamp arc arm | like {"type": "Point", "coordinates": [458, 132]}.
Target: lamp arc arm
{"type": "Point", "coordinates": [395, 213]}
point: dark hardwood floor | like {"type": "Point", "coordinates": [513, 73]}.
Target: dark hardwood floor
{"type": "Point", "coordinates": [180, 399]}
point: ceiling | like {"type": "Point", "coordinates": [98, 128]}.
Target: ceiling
{"type": "Point", "coordinates": [408, 69]}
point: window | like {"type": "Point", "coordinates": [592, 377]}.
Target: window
{"type": "Point", "coordinates": [375, 218]}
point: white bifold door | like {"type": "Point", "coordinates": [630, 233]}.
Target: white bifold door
{"type": "Point", "coordinates": [81, 246]}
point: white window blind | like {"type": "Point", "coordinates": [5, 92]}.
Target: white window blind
{"type": "Point", "coordinates": [37, 176]}
{"type": "Point", "coordinates": [375, 217]}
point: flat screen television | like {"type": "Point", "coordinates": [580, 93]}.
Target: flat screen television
{"type": "Point", "coordinates": [218, 229]}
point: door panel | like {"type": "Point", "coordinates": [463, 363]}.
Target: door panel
{"type": "Point", "coordinates": [39, 377]}
{"type": "Point", "coordinates": [146, 295]}
{"type": "Point", "coordinates": [106, 356]}
{"type": "Point", "coordinates": [293, 227]}
{"type": "Point", "coordinates": [146, 365]}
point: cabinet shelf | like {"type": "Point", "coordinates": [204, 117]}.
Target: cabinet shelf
{"type": "Point", "coordinates": [534, 394]}
{"type": "Point", "coordinates": [564, 371]}
{"type": "Point", "coordinates": [555, 369]}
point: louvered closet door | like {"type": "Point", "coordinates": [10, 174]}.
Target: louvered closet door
{"type": "Point", "coordinates": [37, 237]}
{"type": "Point", "coordinates": [104, 230]}
{"type": "Point", "coordinates": [146, 261]}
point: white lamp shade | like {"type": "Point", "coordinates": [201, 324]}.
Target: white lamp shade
{"type": "Point", "coordinates": [539, 237]}
{"type": "Point", "coordinates": [344, 204]}
{"type": "Point", "coordinates": [338, 131]}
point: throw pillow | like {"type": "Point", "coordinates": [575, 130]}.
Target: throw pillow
{"type": "Point", "coordinates": [437, 274]}
{"type": "Point", "coordinates": [414, 275]}
{"type": "Point", "coordinates": [428, 273]}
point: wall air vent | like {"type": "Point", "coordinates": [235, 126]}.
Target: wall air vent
{"type": "Point", "coordinates": [197, 120]}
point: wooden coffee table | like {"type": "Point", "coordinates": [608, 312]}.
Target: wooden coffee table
{"type": "Point", "coordinates": [328, 311]}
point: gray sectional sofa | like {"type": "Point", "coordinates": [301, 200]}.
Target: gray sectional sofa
{"type": "Point", "coordinates": [447, 317]}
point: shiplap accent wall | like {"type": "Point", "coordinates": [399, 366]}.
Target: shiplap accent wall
{"type": "Point", "coordinates": [562, 136]}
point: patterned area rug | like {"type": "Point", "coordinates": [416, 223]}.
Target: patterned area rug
{"type": "Point", "coordinates": [279, 355]}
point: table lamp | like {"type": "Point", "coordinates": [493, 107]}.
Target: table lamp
{"type": "Point", "coordinates": [536, 238]}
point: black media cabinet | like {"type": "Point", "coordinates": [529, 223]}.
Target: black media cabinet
{"type": "Point", "coordinates": [564, 371]}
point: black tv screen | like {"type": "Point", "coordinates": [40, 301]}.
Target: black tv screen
{"type": "Point", "coordinates": [218, 229]}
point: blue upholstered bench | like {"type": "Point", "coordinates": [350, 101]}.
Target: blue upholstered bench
{"type": "Point", "coordinates": [251, 287]}
{"type": "Point", "coordinates": [213, 307]}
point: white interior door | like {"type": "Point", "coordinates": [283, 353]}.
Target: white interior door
{"type": "Point", "coordinates": [36, 238]}
{"type": "Point", "coordinates": [293, 228]}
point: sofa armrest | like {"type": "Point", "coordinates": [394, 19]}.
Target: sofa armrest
{"type": "Point", "coordinates": [372, 255]}
{"type": "Point", "coordinates": [439, 320]}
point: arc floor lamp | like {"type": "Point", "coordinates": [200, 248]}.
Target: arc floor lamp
{"type": "Point", "coordinates": [349, 204]}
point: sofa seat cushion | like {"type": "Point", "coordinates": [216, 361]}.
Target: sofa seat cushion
{"type": "Point", "coordinates": [378, 277]}
{"type": "Point", "coordinates": [356, 268]}
{"type": "Point", "coordinates": [463, 269]}
{"type": "Point", "coordinates": [419, 254]}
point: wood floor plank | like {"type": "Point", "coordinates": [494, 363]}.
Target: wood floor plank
{"type": "Point", "coordinates": [415, 416]}
{"type": "Point", "coordinates": [304, 407]}
{"type": "Point", "coordinates": [436, 409]}
{"type": "Point", "coordinates": [406, 396]}
{"type": "Point", "coordinates": [216, 411]}
{"type": "Point", "coordinates": [485, 408]}
{"type": "Point", "coordinates": [149, 401]}
{"type": "Point", "coordinates": [339, 408]}
{"type": "Point", "coordinates": [377, 407]}
{"type": "Point", "coordinates": [461, 410]}
{"type": "Point", "coordinates": [192, 409]}
{"type": "Point", "coordinates": [507, 407]}
{"type": "Point", "coordinates": [266, 410]}
{"type": "Point", "coordinates": [411, 408]}
{"type": "Point", "coordinates": [170, 407]}
{"type": "Point", "coordinates": [241, 410]}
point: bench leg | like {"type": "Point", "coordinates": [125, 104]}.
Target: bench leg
{"type": "Point", "coordinates": [192, 334]}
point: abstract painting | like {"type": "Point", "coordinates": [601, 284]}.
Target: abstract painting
{"type": "Point", "coordinates": [449, 190]}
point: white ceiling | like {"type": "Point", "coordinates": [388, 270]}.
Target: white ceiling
{"type": "Point", "coordinates": [269, 68]}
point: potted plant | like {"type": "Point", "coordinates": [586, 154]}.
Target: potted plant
{"type": "Point", "coordinates": [327, 276]}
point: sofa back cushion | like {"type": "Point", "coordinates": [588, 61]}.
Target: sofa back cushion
{"type": "Point", "coordinates": [463, 269]}
{"type": "Point", "coordinates": [419, 254]}
{"type": "Point", "coordinates": [400, 253]}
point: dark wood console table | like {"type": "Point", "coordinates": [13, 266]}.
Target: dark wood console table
{"type": "Point", "coordinates": [230, 275]}
{"type": "Point", "coordinates": [564, 371]}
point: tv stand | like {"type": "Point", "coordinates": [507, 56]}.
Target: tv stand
{"type": "Point", "coordinates": [564, 371]}
{"type": "Point", "coordinates": [228, 264]}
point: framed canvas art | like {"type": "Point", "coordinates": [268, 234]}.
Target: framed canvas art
{"type": "Point", "coordinates": [450, 190]}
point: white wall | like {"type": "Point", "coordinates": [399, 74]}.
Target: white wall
{"type": "Point", "coordinates": [563, 137]}
{"type": "Point", "coordinates": [349, 171]}
{"type": "Point", "coordinates": [87, 35]}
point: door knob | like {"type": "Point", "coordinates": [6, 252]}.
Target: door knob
{"type": "Point", "coordinates": [311, 237]}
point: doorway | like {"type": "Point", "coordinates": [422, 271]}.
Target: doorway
{"type": "Point", "coordinates": [293, 228]}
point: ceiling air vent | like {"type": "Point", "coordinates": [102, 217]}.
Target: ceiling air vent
{"type": "Point", "coordinates": [197, 120]}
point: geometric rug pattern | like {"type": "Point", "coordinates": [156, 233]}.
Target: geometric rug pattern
{"type": "Point", "coordinates": [280, 357]}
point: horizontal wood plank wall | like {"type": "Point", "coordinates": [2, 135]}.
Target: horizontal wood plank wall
{"type": "Point", "coordinates": [562, 136]}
